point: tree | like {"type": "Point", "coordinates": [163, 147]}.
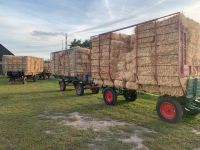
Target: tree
{"type": "Point", "coordinates": [86, 44]}
{"type": "Point", "coordinates": [75, 42]}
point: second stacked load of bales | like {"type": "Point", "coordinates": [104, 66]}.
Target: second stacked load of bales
{"type": "Point", "coordinates": [112, 58]}
{"type": "Point", "coordinates": [71, 62]}
{"type": "Point", "coordinates": [29, 65]}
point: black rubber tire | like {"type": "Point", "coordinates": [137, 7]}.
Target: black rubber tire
{"type": "Point", "coordinates": [130, 95]}
{"type": "Point", "coordinates": [113, 96]}
{"type": "Point", "coordinates": [178, 109]}
{"type": "Point", "coordinates": [79, 89]}
{"type": "Point", "coordinates": [95, 90]}
{"type": "Point", "coordinates": [62, 85]}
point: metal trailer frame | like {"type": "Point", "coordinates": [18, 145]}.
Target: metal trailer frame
{"type": "Point", "coordinates": [80, 82]}
{"type": "Point", "coordinates": [44, 75]}
{"type": "Point", "coordinates": [176, 105]}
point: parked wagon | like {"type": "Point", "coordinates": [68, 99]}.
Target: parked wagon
{"type": "Point", "coordinates": [157, 56]}
{"type": "Point", "coordinates": [22, 67]}
{"type": "Point", "coordinates": [72, 66]}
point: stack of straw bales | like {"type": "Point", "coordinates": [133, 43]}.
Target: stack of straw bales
{"type": "Point", "coordinates": [112, 60]}
{"type": "Point", "coordinates": [28, 64]}
{"type": "Point", "coordinates": [60, 63]}
{"type": "Point", "coordinates": [157, 66]}
{"type": "Point", "coordinates": [71, 62]}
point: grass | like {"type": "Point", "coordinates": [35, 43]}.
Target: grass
{"type": "Point", "coordinates": [22, 129]}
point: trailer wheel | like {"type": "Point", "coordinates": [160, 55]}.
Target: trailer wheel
{"type": "Point", "coordinates": [169, 109]}
{"type": "Point", "coordinates": [130, 95]}
{"type": "Point", "coordinates": [109, 96]}
{"type": "Point", "coordinates": [79, 89]}
{"type": "Point", "coordinates": [62, 85]}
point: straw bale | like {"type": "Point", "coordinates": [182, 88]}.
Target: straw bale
{"type": "Point", "coordinates": [146, 61]}
{"type": "Point", "coordinates": [167, 70]}
{"type": "Point", "coordinates": [167, 29]}
{"type": "Point", "coordinates": [146, 33]}
{"type": "Point", "coordinates": [97, 81]}
{"type": "Point", "coordinates": [132, 85]}
{"type": "Point", "coordinates": [119, 83]}
{"type": "Point", "coordinates": [146, 70]}
{"type": "Point", "coordinates": [146, 26]}
{"type": "Point", "coordinates": [168, 81]}
{"type": "Point", "coordinates": [149, 80]}
{"type": "Point", "coordinates": [149, 88]}
{"type": "Point", "coordinates": [171, 90]}
{"type": "Point", "coordinates": [108, 83]}
{"type": "Point", "coordinates": [167, 21]}
{"type": "Point", "coordinates": [167, 38]}
{"type": "Point", "coordinates": [146, 51]}
{"type": "Point", "coordinates": [146, 40]}
{"type": "Point", "coordinates": [28, 64]}
{"type": "Point", "coordinates": [167, 49]}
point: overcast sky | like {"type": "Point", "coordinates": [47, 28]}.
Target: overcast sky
{"type": "Point", "coordinates": [37, 27]}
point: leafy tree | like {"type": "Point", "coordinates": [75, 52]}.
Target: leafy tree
{"type": "Point", "coordinates": [75, 42]}
{"type": "Point", "coordinates": [86, 44]}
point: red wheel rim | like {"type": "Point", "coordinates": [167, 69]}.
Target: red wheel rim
{"type": "Point", "coordinates": [109, 96]}
{"type": "Point", "coordinates": [78, 89]}
{"type": "Point", "coordinates": [168, 110]}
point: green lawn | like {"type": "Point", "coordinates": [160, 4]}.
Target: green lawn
{"type": "Point", "coordinates": [26, 121]}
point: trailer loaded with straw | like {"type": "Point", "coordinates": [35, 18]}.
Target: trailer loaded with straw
{"type": "Point", "coordinates": [157, 56]}
{"type": "Point", "coordinates": [72, 66]}
{"type": "Point", "coordinates": [22, 67]}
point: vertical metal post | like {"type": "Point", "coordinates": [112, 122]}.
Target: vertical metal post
{"type": "Point", "coordinates": [180, 47]}
{"type": "Point", "coordinates": [90, 58]}
{"type": "Point", "coordinates": [110, 37]}
{"type": "Point", "coordinates": [156, 55]}
{"type": "Point", "coordinates": [99, 57]}
{"type": "Point", "coordinates": [180, 54]}
{"type": "Point", "coordinates": [136, 61]}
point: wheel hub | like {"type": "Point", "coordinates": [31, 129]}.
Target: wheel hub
{"type": "Point", "coordinates": [167, 110]}
{"type": "Point", "coordinates": [109, 96]}
{"type": "Point", "coordinates": [78, 89]}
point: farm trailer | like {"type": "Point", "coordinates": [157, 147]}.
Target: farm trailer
{"type": "Point", "coordinates": [22, 67]}
{"type": "Point", "coordinates": [72, 66]}
{"type": "Point", "coordinates": [158, 56]}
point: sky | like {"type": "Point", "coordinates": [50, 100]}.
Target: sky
{"type": "Point", "coordinates": [38, 27]}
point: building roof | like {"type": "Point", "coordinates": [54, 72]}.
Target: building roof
{"type": "Point", "coordinates": [4, 51]}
